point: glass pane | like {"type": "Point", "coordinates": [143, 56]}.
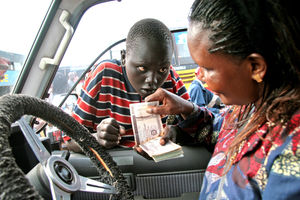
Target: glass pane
{"type": "Point", "coordinates": [106, 23]}
{"type": "Point", "coordinates": [20, 22]}
{"type": "Point", "coordinates": [182, 49]}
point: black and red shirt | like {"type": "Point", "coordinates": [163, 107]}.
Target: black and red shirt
{"type": "Point", "coordinates": [107, 92]}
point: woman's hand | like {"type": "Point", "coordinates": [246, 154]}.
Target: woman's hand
{"type": "Point", "coordinates": [170, 104]}
{"type": "Point", "coordinates": [109, 133]}
{"type": "Point", "coordinates": [169, 133]}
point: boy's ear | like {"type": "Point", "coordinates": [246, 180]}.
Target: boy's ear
{"type": "Point", "coordinates": [258, 67]}
{"type": "Point", "coordinates": [123, 56]}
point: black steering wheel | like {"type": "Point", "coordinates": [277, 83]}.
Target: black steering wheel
{"type": "Point", "coordinates": [14, 184]}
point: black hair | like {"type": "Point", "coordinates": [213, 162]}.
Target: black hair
{"type": "Point", "coordinates": [241, 27]}
{"type": "Point", "coordinates": [148, 28]}
{"type": "Point", "coordinates": [269, 28]}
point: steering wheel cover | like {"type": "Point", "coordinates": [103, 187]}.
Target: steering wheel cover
{"type": "Point", "coordinates": [13, 183]}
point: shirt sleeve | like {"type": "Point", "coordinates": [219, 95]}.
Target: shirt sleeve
{"type": "Point", "coordinates": [86, 108]}
{"type": "Point", "coordinates": [196, 95]}
{"type": "Point", "coordinates": [203, 126]}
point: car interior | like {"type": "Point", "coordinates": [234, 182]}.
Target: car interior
{"type": "Point", "coordinates": [35, 125]}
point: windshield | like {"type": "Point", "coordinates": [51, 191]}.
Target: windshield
{"type": "Point", "coordinates": [104, 24]}
{"type": "Point", "coordinates": [20, 22]}
{"type": "Point", "coordinates": [100, 26]}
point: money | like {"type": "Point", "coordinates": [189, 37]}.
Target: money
{"type": "Point", "coordinates": [148, 129]}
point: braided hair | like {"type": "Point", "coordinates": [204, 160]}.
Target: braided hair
{"type": "Point", "coordinates": [269, 28]}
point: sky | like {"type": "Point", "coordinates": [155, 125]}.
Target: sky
{"type": "Point", "coordinates": [21, 19]}
{"type": "Point", "coordinates": [18, 26]}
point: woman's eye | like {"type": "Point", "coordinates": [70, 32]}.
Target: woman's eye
{"type": "Point", "coordinates": [141, 68]}
{"type": "Point", "coordinates": [163, 70]}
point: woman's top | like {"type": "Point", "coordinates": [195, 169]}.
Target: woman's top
{"type": "Point", "coordinates": [267, 168]}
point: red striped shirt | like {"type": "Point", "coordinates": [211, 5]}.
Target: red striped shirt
{"type": "Point", "coordinates": [107, 93]}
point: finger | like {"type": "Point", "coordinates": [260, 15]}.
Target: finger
{"type": "Point", "coordinates": [109, 128]}
{"type": "Point", "coordinates": [162, 116]}
{"type": "Point", "coordinates": [156, 96]}
{"type": "Point", "coordinates": [171, 133]}
{"type": "Point", "coordinates": [153, 110]}
{"type": "Point", "coordinates": [104, 135]}
{"type": "Point", "coordinates": [161, 110]}
{"type": "Point", "coordinates": [110, 121]}
{"type": "Point", "coordinates": [140, 151]}
{"type": "Point", "coordinates": [107, 144]}
{"type": "Point", "coordinates": [163, 141]}
{"type": "Point", "coordinates": [165, 137]}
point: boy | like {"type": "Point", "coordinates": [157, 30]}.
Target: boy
{"type": "Point", "coordinates": [112, 86]}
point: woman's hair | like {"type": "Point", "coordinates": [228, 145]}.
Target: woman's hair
{"type": "Point", "coordinates": [148, 28]}
{"type": "Point", "coordinates": [269, 28]}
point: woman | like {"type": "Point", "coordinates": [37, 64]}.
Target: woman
{"type": "Point", "coordinates": [249, 51]}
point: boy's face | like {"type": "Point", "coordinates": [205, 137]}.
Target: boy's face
{"type": "Point", "coordinates": [148, 65]}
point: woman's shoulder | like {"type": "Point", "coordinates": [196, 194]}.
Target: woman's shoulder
{"type": "Point", "coordinates": [288, 134]}
{"type": "Point", "coordinates": [286, 149]}
{"type": "Point", "coordinates": [293, 124]}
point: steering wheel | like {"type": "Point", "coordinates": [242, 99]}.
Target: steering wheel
{"type": "Point", "coordinates": [63, 178]}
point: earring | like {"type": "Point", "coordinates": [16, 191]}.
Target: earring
{"type": "Point", "coordinates": [257, 78]}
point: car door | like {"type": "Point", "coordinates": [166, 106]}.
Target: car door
{"type": "Point", "coordinates": [73, 37]}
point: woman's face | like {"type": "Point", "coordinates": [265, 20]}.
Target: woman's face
{"type": "Point", "coordinates": [228, 77]}
{"type": "Point", "coordinates": [148, 65]}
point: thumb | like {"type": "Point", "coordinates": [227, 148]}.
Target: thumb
{"type": "Point", "coordinates": [163, 141]}
{"type": "Point", "coordinates": [165, 135]}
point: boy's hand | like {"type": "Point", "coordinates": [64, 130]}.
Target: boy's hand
{"type": "Point", "coordinates": [109, 133]}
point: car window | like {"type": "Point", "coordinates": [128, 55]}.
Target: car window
{"type": "Point", "coordinates": [96, 28]}
{"type": "Point", "coordinates": [182, 50]}
{"type": "Point", "coordinates": [18, 31]}
{"type": "Point", "coordinates": [104, 24]}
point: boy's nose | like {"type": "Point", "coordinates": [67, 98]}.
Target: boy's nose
{"type": "Point", "coordinates": [151, 78]}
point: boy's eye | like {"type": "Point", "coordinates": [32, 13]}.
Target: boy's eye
{"type": "Point", "coordinates": [141, 68]}
{"type": "Point", "coordinates": [163, 70]}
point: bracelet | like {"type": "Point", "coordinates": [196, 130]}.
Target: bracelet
{"type": "Point", "coordinates": [194, 112]}
{"type": "Point", "coordinates": [195, 109]}
{"type": "Point", "coordinates": [171, 120]}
